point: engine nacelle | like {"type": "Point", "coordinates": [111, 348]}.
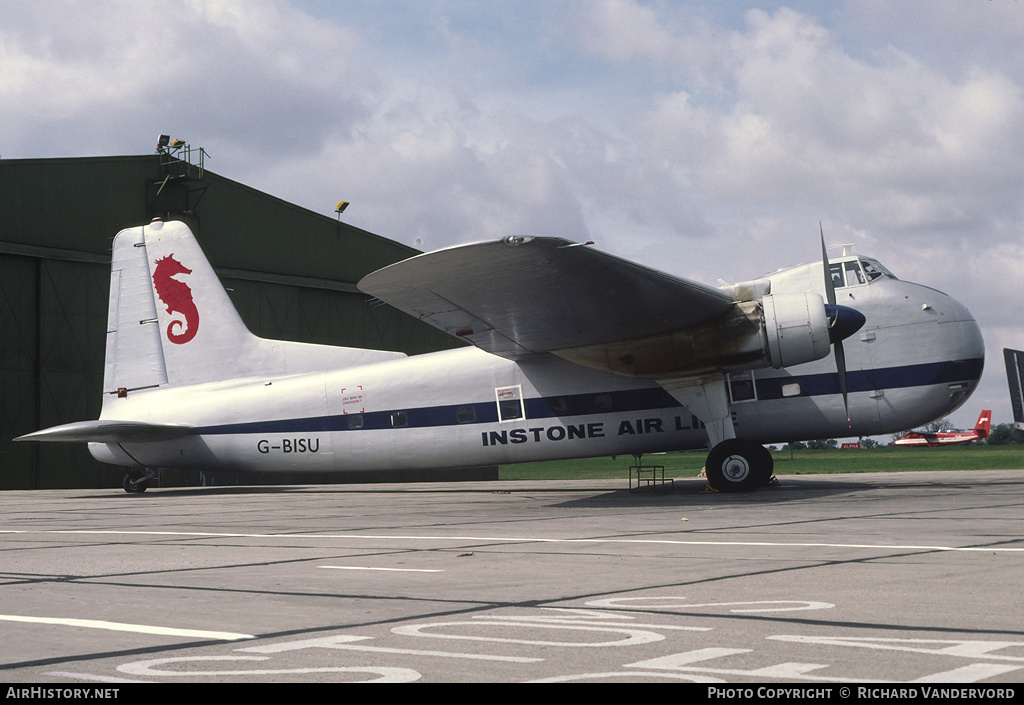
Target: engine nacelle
{"type": "Point", "coordinates": [796, 328]}
{"type": "Point", "coordinates": [776, 330]}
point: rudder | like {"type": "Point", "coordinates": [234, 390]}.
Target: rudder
{"type": "Point", "coordinates": [134, 356]}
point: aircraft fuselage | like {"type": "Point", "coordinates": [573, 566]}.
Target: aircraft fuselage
{"type": "Point", "coordinates": [560, 367]}
{"type": "Point", "coordinates": [466, 407]}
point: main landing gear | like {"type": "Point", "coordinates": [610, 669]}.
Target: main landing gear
{"type": "Point", "coordinates": [736, 465]}
{"type": "Point", "coordinates": [733, 465]}
{"type": "Point", "coordinates": [137, 480]}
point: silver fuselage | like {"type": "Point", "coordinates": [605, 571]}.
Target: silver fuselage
{"type": "Point", "coordinates": [918, 357]}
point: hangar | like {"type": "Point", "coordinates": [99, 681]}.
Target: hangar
{"type": "Point", "coordinates": [291, 273]}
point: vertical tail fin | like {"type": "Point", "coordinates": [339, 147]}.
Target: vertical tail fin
{"type": "Point", "coordinates": [171, 323]}
{"type": "Point", "coordinates": [984, 425]}
{"type": "Point", "coordinates": [202, 337]}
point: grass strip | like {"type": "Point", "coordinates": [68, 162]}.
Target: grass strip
{"type": "Point", "coordinates": [800, 462]}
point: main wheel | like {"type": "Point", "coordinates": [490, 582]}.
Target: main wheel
{"type": "Point", "coordinates": [769, 462]}
{"type": "Point", "coordinates": [736, 465]}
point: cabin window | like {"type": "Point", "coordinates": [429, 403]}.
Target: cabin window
{"type": "Point", "coordinates": [791, 390]}
{"type": "Point", "coordinates": [603, 403]}
{"type": "Point", "coordinates": [835, 271]}
{"type": "Point", "coordinates": [510, 403]}
{"type": "Point", "coordinates": [355, 421]}
{"type": "Point", "coordinates": [510, 409]}
{"type": "Point", "coordinates": [466, 414]}
{"type": "Point", "coordinates": [399, 419]}
{"type": "Point", "coordinates": [558, 405]}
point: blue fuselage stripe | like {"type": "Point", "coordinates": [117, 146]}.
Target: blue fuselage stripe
{"type": "Point", "coordinates": [876, 379]}
{"type": "Point", "coordinates": [590, 404]}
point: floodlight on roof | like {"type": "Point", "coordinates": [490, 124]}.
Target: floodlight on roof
{"type": "Point", "coordinates": [162, 142]}
{"type": "Point", "coordinates": [340, 208]}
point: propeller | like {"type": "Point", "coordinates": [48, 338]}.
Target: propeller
{"type": "Point", "coordinates": [843, 322]}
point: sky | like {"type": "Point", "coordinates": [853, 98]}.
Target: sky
{"type": "Point", "coordinates": [705, 139]}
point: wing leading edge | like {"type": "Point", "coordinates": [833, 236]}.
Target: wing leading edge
{"type": "Point", "coordinates": [523, 296]}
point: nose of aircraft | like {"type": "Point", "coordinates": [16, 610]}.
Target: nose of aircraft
{"type": "Point", "coordinates": [961, 343]}
{"type": "Point", "coordinates": [971, 343]}
{"type": "Point", "coordinates": [932, 346]}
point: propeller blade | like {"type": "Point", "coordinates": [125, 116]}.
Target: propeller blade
{"type": "Point", "coordinates": [843, 322]}
{"type": "Point", "coordinates": [830, 289]}
{"type": "Point", "coordinates": [841, 366]}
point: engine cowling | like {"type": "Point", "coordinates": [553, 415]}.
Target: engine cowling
{"type": "Point", "coordinates": [776, 330]}
{"type": "Point", "coordinates": [796, 328]}
{"type": "Point", "coordinates": [773, 331]}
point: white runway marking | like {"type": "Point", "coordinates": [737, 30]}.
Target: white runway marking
{"type": "Point", "coordinates": [121, 627]}
{"type": "Point", "coordinates": [152, 668]}
{"type": "Point", "coordinates": [394, 570]}
{"type": "Point", "coordinates": [964, 648]}
{"type": "Point", "coordinates": [513, 539]}
{"type": "Point", "coordinates": [346, 643]}
{"type": "Point", "coordinates": [92, 677]}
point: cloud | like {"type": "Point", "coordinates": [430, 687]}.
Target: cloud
{"type": "Point", "coordinates": [433, 185]}
{"type": "Point", "coordinates": [885, 146]}
{"type": "Point", "coordinates": [244, 75]}
{"type": "Point", "coordinates": [619, 30]}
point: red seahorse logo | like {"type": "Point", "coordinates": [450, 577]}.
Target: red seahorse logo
{"type": "Point", "coordinates": [177, 297]}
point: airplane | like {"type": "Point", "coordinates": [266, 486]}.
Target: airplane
{"type": "Point", "coordinates": [947, 438]}
{"type": "Point", "coordinates": [575, 353]}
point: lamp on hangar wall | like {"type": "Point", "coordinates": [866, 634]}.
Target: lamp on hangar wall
{"type": "Point", "coordinates": [164, 143]}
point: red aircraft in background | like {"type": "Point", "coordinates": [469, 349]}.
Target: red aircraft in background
{"type": "Point", "coordinates": [946, 438]}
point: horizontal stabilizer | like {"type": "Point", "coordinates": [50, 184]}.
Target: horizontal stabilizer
{"type": "Point", "coordinates": [108, 432]}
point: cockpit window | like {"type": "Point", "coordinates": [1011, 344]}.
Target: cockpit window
{"type": "Point", "coordinates": [855, 273]}
{"type": "Point", "coordinates": [874, 270]}
{"type": "Point", "coordinates": [846, 274]}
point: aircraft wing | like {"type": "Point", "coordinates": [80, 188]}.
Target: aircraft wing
{"type": "Point", "coordinates": [521, 296]}
{"type": "Point", "coordinates": [108, 432]}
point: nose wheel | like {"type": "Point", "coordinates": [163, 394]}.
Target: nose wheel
{"type": "Point", "coordinates": [736, 465]}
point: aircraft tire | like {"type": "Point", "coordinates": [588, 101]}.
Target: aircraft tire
{"type": "Point", "coordinates": [735, 465]}
{"type": "Point", "coordinates": [134, 487]}
{"type": "Point", "coordinates": [769, 465]}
